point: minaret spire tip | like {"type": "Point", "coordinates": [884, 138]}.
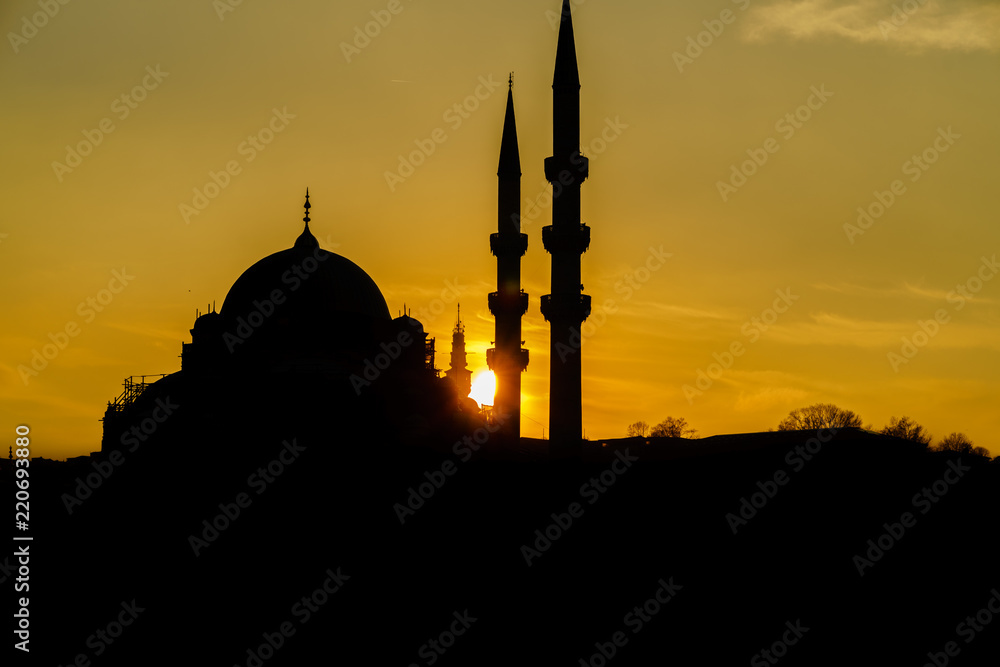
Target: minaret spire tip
{"type": "Point", "coordinates": [307, 207]}
{"type": "Point", "coordinates": [566, 72]}
{"type": "Point", "coordinates": [510, 158]}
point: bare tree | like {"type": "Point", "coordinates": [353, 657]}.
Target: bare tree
{"type": "Point", "coordinates": [956, 442]}
{"type": "Point", "coordinates": [672, 427]}
{"type": "Point", "coordinates": [959, 442]}
{"type": "Point", "coordinates": [817, 416]}
{"type": "Point", "coordinates": [907, 429]}
{"type": "Point", "coordinates": [637, 430]}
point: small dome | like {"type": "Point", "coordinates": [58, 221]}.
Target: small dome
{"type": "Point", "coordinates": [208, 324]}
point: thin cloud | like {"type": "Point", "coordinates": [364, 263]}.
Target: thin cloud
{"type": "Point", "coordinates": [906, 290]}
{"type": "Point", "coordinates": [761, 400]}
{"type": "Point", "coordinates": [676, 312]}
{"type": "Point", "coordinates": [838, 330]}
{"type": "Point", "coordinates": [913, 25]}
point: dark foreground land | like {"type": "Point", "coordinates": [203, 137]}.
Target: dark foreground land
{"type": "Point", "coordinates": [354, 546]}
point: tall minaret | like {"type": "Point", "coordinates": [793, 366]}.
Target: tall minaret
{"type": "Point", "coordinates": [507, 360]}
{"type": "Point", "coordinates": [566, 239]}
{"type": "Point", "coordinates": [459, 374]}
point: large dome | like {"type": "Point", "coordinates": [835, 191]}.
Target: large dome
{"type": "Point", "coordinates": [315, 282]}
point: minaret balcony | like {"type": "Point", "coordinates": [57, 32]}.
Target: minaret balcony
{"type": "Point", "coordinates": [561, 239]}
{"type": "Point", "coordinates": [521, 361]}
{"type": "Point", "coordinates": [567, 170]}
{"type": "Point", "coordinates": [499, 304]}
{"type": "Point", "coordinates": [566, 307]}
{"type": "Point", "coordinates": [508, 245]}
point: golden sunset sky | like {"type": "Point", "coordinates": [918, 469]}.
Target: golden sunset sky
{"type": "Point", "coordinates": [116, 113]}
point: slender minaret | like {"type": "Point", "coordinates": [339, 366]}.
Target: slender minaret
{"type": "Point", "coordinates": [566, 239]}
{"type": "Point", "coordinates": [460, 376]}
{"type": "Point", "coordinates": [509, 303]}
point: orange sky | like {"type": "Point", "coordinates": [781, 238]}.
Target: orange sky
{"type": "Point", "coordinates": [833, 102]}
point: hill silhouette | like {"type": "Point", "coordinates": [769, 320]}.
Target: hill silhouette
{"type": "Point", "coordinates": [413, 538]}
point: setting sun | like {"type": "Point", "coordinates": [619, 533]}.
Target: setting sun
{"type": "Point", "coordinates": [484, 386]}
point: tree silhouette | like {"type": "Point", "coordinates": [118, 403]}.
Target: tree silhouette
{"type": "Point", "coordinates": [672, 427]}
{"type": "Point", "coordinates": [907, 429]}
{"type": "Point", "coordinates": [637, 430]}
{"type": "Point", "coordinates": [956, 442]}
{"type": "Point", "coordinates": [959, 442]}
{"type": "Point", "coordinates": [817, 416]}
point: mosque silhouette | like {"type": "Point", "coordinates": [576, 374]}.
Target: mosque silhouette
{"type": "Point", "coordinates": [302, 323]}
{"type": "Point", "coordinates": [307, 489]}
{"type": "Point", "coordinates": [309, 316]}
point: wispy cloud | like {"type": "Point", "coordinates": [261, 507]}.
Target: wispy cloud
{"type": "Point", "coordinates": [761, 399]}
{"type": "Point", "coordinates": [833, 329]}
{"type": "Point", "coordinates": [914, 25]}
{"type": "Point", "coordinates": [906, 290]}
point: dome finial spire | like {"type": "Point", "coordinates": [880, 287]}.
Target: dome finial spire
{"type": "Point", "coordinates": [306, 239]}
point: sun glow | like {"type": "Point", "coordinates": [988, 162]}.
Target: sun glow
{"type": "Point", "coordinates": [484, 387]}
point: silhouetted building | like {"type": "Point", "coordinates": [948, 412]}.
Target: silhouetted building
{"type": "Point", "coordinates": [300, 326]}
{"type": "Point", "coordinates": [566, 239]}
{"type": "Point", "coordinates": [263, 487]}
{"type": "Point", "coordinates": [459, 375]}
{"type": "Point", "coordinates": [509, 303]}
